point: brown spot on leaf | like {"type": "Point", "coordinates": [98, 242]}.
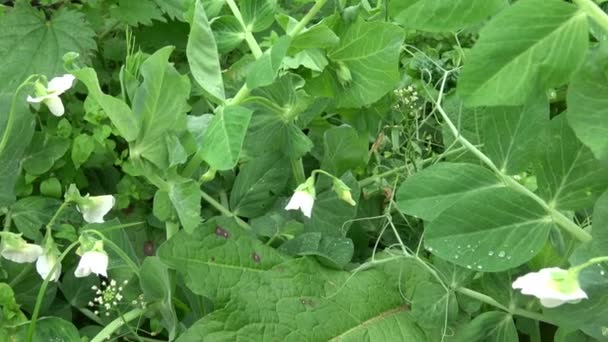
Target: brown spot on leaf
{"type": "Point", "coordinates": [219, 231]}
{"type": "Point", "coordinates": [149, 249]}
{"type": "Point", "coordinates": [256, 257]}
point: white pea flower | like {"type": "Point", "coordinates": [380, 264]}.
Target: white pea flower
{"type": "Point", "coordinates": [92, 262]}
{"type": "Point", "coordinates": [94, 208]}
{"type": "Point", "coordinates": [46, 262]}
{"type": "Point", "coordinates": [16, 249]}
{"type": "Point", "coordinates": [553, 286]}
{"type": "Point", "coordinates": [50, 95]}
{"type": "Point", "coordinates": [303, 197]}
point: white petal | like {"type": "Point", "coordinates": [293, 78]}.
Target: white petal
{"type": "Point", "coordinates": [55, 105]}
{"type": "Point", "coordinates": [60, 84]}
{"type": "Point", "coordinates": [303, 201]}
{"type": "Point", "coordinates": [45, 264]}
{"type": "Point", "coordinates": [37, 99]}
{"type": "Point", "coordinates": [26, 254]}
{"type": "Point", "coordinates": [542, 285]}
{"type": "Point", "coordinates": [551, 303]}
{"type": "Point", "coordinates": [97, 208]}
{"type": "Point", "coordinates": [92, 261]}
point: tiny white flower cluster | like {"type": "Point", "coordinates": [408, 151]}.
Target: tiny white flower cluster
{"type": "Point", "coordinates": [407, 99]}
{"type": "Point", "coordinates": [109, 297]}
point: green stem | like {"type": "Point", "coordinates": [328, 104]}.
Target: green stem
{"type": "Point", "coordinates": [491, 301]}
{"type": "Point", "coordinates": [40, 297]}
{"type": "Point", "coordinates": [193, 164]}
{"type": "Point", "coordinates": [307, 18]}
{"type": "Point", "coordinates": [7, 221]}
{"type": "Point", "coordinates": [241, 95]}
{"type": "Point", "coordinates": [298, 170]}
{"type": "Point", "coordinates": [594, 12]}
{"type": "Point", "coordinates": [56, 216]}
{"type": "Point", "coordinates": [562, 221]}
{"type": "Point", "coordinates": [577, 269]}
{"type": "Point", "coordinates": [12, 115]}
{"type": "Point", "coordinates": [15, 280]}
{"type": "Point", "coordinates": [116, 324]}
{"type": "Point", "coordinates": [171, 229]}
{"type": "Point", "coordinates": [249, 38]}
{"type": "Point", "coordinates": [223, 210]}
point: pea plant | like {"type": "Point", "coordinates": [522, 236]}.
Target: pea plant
{"type": "Point", "coordinates": [304, 170]}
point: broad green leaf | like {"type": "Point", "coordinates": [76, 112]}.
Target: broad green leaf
{"type": "Point", "coordinates": [77, 291]}
{"type": "Point", "coordinates": [43, 152]}
{"type": "Point", "coordinates": [223, 139]}
{"type": "Point", "coordinates": [272, 125]}
{"type": "Point", "coordinates": [510, 134]}
{"type": "Point", "coordinates": [489, 326]}
{"type": "Point", "coordinates": [137, 12]}
{"type": "Point", "coordinates": [529, 47]}
{"type": "Point", "coordinates": [343, 150]}
{"type": "Point", "coordinates": [161, 104]}
{"type": "Point", "coordinates": [264, 70]}
{"type": "Point", "coordinates": [48, 329]}
{"type": "Point", "coordinates": [156, 284]}
{"type": "Point", "coordinates": [32, 213]}
{"type": "Point", "coordinates": [432, 305]}
{"type": "Point", "coordinates": [83, 146]}
{"type": "Point", "coordinates": [27, 286]}
{"type": "Point", "coordinates": [318, 35]}
{"type": "Point", "coordinates": [258, 183]}
{"type": "Point", "coordinates": [186, 198]}
{"type": "Point", "coordinates": [217, 259]}
{"type": "Point", "coordinates": [427, 193]}
{"type": "Point", "coordinates": [119, 112]}
{"type": "Point", "coordinates": [491, 230]}
{"type": "Point", "coordinates": [173, 8]}
{"type": "Point", "coordinates": [258, 15]}
{"type": "Point", "coordinates": [331, 215]}
{"type": "Point", "coordinates": [443, 16]}
{"type": "Point", "coordinates": [26, 35]}
{"type": "Point", "coordinates": [203, 56]}
{"type": "Point", "coordinates": [16, 131]}
{"type": "Point", "coordinates": [228, 33]}
{"type": "Point", "coordinates": [588, 103]}
{"type": "Point", "coordinates": [334, 252]}
{"type": "Point", "coordinates": [568, 175]}
{"type": "Point", "coordinates": [370, 51]}
{"type": "Point", "coordinates": [313, 59]}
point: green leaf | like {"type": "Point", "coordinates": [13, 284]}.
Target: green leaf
{"type": "Point", "coordinates": [203, 56]}
{"type": "Point", "coordinates": [258, 183]}
{"type": "Point", "coordinates": [156, 285]}
{"type": "Point", "coordinates": [370, 51]}
{"type": "Point", "coordinates": [82, 147]}
{"type": "Point", "coordinates": [16, 130]}
{"type": "Point", "coordinates": [137, 12]}
{"type": "Point", "coordinates": [588, 103]}
{"type": "Point", "coordinates": [529, 47]}
{"type": "Point", "coordinates": [432, 305]}
{"type": "Point", "coordinates": [173, 8]}
{"type": "Point", "coordinates": [443, 16]}
{"type": "Point", "coordinates": [491, 230]}
{"type": "Point", "coordinates": [331, 251]}
{"type": "Point", "coordinates": [313, 59]}
{"type": "Point", "coordinates": [219, 248]}
{"type": "Point", "coordinates": [43, 152]}
{"type": "Point", "coordinates": [48, 329]}
{"type": "Point", "coordinates": [161, 104]}
{"type": "Point", "coordinates": [343, 150]}
{"type": "Point", "coordinates": [489, 326]}
{"type": "Point", "coordinates": [568, 175]}
{"type": "Point", "coordinates": [26, 35]}
{"type": "Point", "coordinates": [31, 213]}
{"type": "Point", "coordinates": [264, 70]}
{"type": "Point", "coordinates": [223, 139]}
{"type": "Point", "coordinates": [258, 15]}
{"type": "Point", "coordinates": [119, 112]}
{"type": "Point", "coordinates": [186, 198]}
{"type": "Point", "coordinates": [427, 193]}
{"type": "Point", "coordinates": [228, 33]}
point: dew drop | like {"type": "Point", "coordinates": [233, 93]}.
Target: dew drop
{"type": "Point", "coordinates": [456, 257]}
{"type": "Point", "coordinates": [508, 257]}
{"type": "Point", "coordinates": [469, 266]}
{"type": "Point", "coordinates": [602, 272]}
{"type": "Point", "coordinates": [479, 267]}
{"type": "Point", "coordinates": [501, 254]}
{"type": "Point", "coordinates": [490, 253]}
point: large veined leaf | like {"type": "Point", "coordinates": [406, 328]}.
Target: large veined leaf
{"type": "Point", "coordinates": [228, 33]}
{"type": "Point", "coordinates": [223, 139]}
{"type": "Point", "coordinates": [156, 284]}
{"type": "Point", "coordinates": [370, 52]}
{"type": "Point", "coordinates": [264, 70]}
{"type": "Point", "coordinates": [186, 198]}
{"type": "Point", "coordinates": [161, 105]}
{"type": "Point", "coordinates": [489, 326]}
{"type": "Point", "coordinates": [428, 193]}
{"type": "Point", "coordinates": [343, 150]}
{"type": "Point", "coordinates": [569, 177]}
{"type": "Point", "coordinates": [25, 35]}
{"type": "Point", "coordinates": [48, 329]}
{"type": "Point", "coordinates": [258, 15]}
{"type": "Point", "coordinates": [529, 47]}
{"type": "Point", "coordinates": [16, 130]}
{"type": "Point", "coordinates": [260, 293]}
{"type": "Point", "coordinates": [491, 230]}
{"type": "Point", "coordinates": [203, 56]}
{"type": "Point", "coordinates": [588, 103]}
{"type": "Point", "coordinates": [331, 251]}
{"type": "Point", "coordinates": [442, 16]}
